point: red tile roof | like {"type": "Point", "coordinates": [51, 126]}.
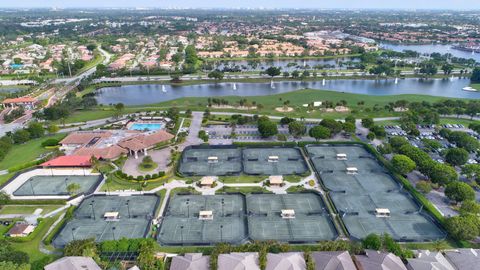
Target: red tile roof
{"type": "Point", "coordinates": [19, 100]}
{"type": "Point", "coordinates": [69, 161]}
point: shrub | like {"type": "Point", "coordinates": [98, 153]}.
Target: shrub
{"type": "Point", "coordinates": [424, 186]}
{"type": "Point", "coordinates": [140, 178]}
{"type": "Point", "coordinates": [50, 142]}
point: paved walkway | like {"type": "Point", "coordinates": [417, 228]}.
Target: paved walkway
{"type": "Point", "coordinates": [161, 157]}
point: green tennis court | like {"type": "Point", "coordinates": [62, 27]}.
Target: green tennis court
{"type": "Point", "coordinates": [358, 196]}
{"type": "Point", "coordinates": [57, 185]}
{"type": "Point", "coordinates": [210, 161]}
{"type": "Point", "coordinates": [273, 161]}
{"type": "Point", "coordinates": [133, 215]}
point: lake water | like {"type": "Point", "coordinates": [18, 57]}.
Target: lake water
{"type": "Point", "coordinates": [9, 89]}
{"type": "Point", "coordinates": [286, 65]}
{"type": "Point", "coordinates": [428, 49]}
{"type": "Point", "coordinates": [152, 93]}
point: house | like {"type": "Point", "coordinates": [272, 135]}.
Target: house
{"type": "Point", "coordinates": [238, 261]}
{"type": "Point", "coordinates": [73, 263]}
{"type": "Point", "coordinates": [426, 260]}
{"type": "Point", "coordinates": [376, 260]}
{"type": "Point", "coordinates": [20, 230]}
{"type": "Point", "coordinates": [284, 261]}
{"type": "Point", "coordinates": [190, 261]}
{"type": "Point", "coordinates": [464, 258]}
{"type": "Point", "coordinates": [68, 162]}
{"type": "Point", "coordinates": [25, 102]}
{"type": "Point", "coordinates": [333, 260]}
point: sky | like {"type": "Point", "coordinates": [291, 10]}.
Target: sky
{"type": "Point", "coordinates": [365, 4]}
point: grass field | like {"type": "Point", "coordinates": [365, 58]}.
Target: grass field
{"type": "Point", "coordinates": [27, 209]}
{"type": "Point", "coordinates": [242, 179]}
{"type": "Point", "coordinates": [23, 153]}
{"type": "Point", "coordinates": [269, 103]}
{"type": "Point", "coordinates": [476, 86]}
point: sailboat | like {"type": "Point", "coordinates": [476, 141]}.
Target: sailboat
{"type": "Point", "coordinates": [323, 82]}
{"type": "Point", "coordinates": [164, 89]}
{"type": "Point", "coordinates": [234, 86]}
{"type": "Point", "coordinates": [473, 52]}
{"type": "Point", "coordinates": [304, 63]}
{"type": "Point", "coordinates": [396, 80]}
{"type": "Point", "coordinates": [272, 85]}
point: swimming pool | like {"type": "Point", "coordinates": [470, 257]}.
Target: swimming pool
{"type": "Point", "coordinates": [146, 126]}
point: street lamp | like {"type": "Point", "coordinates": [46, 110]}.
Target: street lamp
{"type": "Point", "coordinates": [188, 208]}
{"type": "Point", "coordinates": [181, 233]}
{"type": "Point", "coordinates": [93, 210]}
{"type": "Point", "coordinates": [31, 186]}
{"type": "Point", "coordinates": [73, 235]}
{"type": "Point", "coordinates": [221, 233]}
{"type": "Point", "coordinates": [128, 207]}
{"type": "Point", "coordinates": [223, 205]}
{"type": "Point", "coordinates": [66, 186]}
{"type": "Point", "coordinates": [113, 232]}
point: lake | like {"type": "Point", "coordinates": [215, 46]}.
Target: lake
{"type": "Point", "coordinates": [431, 48]}
{"type": "Point", "coordinates": [152, 93]}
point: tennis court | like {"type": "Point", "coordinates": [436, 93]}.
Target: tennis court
{"type": "Point", "coordinates": [109, 218]}
{"type": "Point", "coordinates": [184, 225]}
{"type": "Point", "coordinates": [358, 196]}
{"type": "Point", "coordinates": [311, 221]}
{"type": "Point", "coordinates": [273, 161]}
{"type": "Point", "coordinates": [57, 185]}
{"type": "Point", "coordinates": [211, 161]}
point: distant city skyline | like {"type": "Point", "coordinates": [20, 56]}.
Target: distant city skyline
{"type": "Point", "coordinates": [365, 4]}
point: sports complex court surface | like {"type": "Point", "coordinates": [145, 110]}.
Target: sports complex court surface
{"type": "Point", "coordinates": [57, 184]}
{"type": "Point", "coordinates": [218, 161]}
{"type": "Point", "coordinates": [236, 219]}
{"type": "Point", "coordinates": [109, 218]}
{"type": "Point", "coordinates": [311, 223]}
{"type": "Point", "coordinates": [357, 196]}
{"type": "Point", "coordinates": [273, 161]}
{"type": "Point", "coordinates": [211, 161]}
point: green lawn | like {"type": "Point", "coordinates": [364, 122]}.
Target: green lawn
{"type": "Point", "coordinates": [115, 183]}
{"type": "Point", "coordinates": [270, 102]}
{"type": "Point", "coordinates": [476, 86]}
{"type": "Point", "coordinates": [4, 178]}
{"type": "Point", "coordinates": [32, 247]}
{"type": "Point", "coordinates": [27, 209]}
{"type": "Point", "coordinates": [244, 190]}
{"type": "Point", "coordinates": [242, 179]}
{"type": "Point", "coordinates": [443, 120]}
{"type": "Point", "coordinates": [23, 153]}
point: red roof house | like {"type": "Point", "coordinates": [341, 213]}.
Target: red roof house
{"type": "Point", "coordinates": [69, 161]}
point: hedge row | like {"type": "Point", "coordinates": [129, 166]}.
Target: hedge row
{"type": "Point", "coordinates": [139, 178]}
{"type": "Point", "coordinates": [68, 216]}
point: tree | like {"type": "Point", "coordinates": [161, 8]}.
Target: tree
{"type": "Point", "coordinates": [36, 130]}
{"type": "Point", "coordinates": [319, 132]}
{"type": "Point", "coordinates": [21, 136]}
{"type": "Point", "coordinates": [440, 173]}
{"type": "Point", "coordinates": [73, 188]}
{"type": "Point", "coordinates": [216, 74]}
{"type": "Point", "coordinates": [372, 241]}
{"type": "Point", "coordinates": [286, 121]}
{"type": "Point", "coordinates": [475, 78]}
{"type": "Point", "coordinates": [456, 156]}
{"type": "Point", "coordinates": [6, 265]}
{"type": "Point", "coordinates": [424, 186]}
{"type": "Point", "coordinates": [52, 129]}
{"type": "Point", "coordinates": [273, 71]}
{"type": "Point", "coordinates": [462, 227]}
{"type": "Point", "coordinates": [379, 131]}
{"type": "Point", "coordinates": [397, 142]}
{"type": "Point", "coordinates": [84, 247]}
{"type": "Point", "coordinates": [91, 47]}
{"type": "Point", "coordinates": [4, 198]}
{"type": "Point", "coordinates": [350, 119]}
{"type": "Point", "coordinates": [371, 136]}
{"type": "Point", "coordinates": [146, 257]}
{"type": "Point", "coordinates": [459, 192]}
{"type": "Point", "coordinates": [470, 207]}
{"type": "Point", "coordinates": [403, 164]}
{"type": "Point", "coordinates": [367, 122]}
{"type": "Point", "coordinates": [266, 127]}
{"type": "Point", "coordinates": [119, 107]}
{"type": "Point", "coordinates": [202, 134]}
{"type": "Point", "coordinates": [297, 128]}
{"type": "Point", "coordinates": [447, 68]}
{"type": "Point", "coordinates": [472, 171]}
{"type": "Point", "coordinates": [334, 126]}
{"type": "Point", "coordinates": [349, 127]}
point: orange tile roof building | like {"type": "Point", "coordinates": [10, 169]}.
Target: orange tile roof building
{"type": "Point", "coordinates": [112, 144]}
{"type": "Point", "coordinates": [26, 102]}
